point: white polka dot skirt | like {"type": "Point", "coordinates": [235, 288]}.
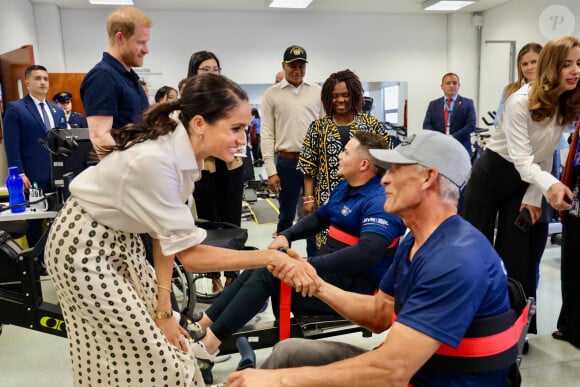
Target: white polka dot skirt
{"type": "Point", "coordinates": [107, 293]}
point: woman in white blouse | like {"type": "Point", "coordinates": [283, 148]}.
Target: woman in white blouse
{"type": "Point", "coordinates": [513, 173]}
{"type": "Point", "coordinates": [116, 307]}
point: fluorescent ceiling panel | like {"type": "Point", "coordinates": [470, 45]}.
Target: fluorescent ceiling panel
{"type": "Point", "coordinates": [111, 2]}
{"type": "Point", "coordinates": [290, 3]}
{"type": "Point", "coordinates": [445, 5]}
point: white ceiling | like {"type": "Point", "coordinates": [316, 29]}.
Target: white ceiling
{"type": "Point", "coordinates": [341, 6]}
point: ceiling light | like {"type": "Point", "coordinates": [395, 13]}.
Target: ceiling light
{"type": "Point", "coordinates": [445, 5]}
{"type": "Point", "coordinates": [111, 2]}
{"type": "Point", "coordinates": [290, 3]}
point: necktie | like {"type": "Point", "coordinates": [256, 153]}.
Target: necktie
{"type": "Point", "coordinates": [45, 116]}
{"type": "Point", "coordinates": [446, 112]}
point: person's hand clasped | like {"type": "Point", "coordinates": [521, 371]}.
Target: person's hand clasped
{"type": "Point", "coordinates": [175, 333]}
{"type": "Point", "coordinates": [296, 272]}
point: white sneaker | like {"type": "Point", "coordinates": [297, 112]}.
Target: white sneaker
{"type": "Point", "coordinates": [222, 358]}
{"type": "Point", "coordinates": [201, 352]}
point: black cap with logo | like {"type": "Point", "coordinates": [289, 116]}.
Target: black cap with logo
{"type": "Point", "coordinates": [294, 53]}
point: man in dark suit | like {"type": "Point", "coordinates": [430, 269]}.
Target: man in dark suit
{"type": "Point", "coordinates": [73, 119]}
{"type": "Point", "coordinates": [452, 114]}
{"type": "Point", "coordinates": [26, 122]}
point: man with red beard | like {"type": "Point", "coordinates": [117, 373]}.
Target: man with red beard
{"type": "Point", "coordinates": [111, 93]}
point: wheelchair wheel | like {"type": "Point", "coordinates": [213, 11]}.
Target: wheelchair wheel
{"type": "Point", "coordinates": [203, 287]}
{"type": "Point", "coordinates": [183, 288]}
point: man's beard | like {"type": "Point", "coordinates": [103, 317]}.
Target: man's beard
{"type": "Point", "coordinates": [130, 60]}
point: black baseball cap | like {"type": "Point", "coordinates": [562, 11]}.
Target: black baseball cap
{"type": "Point", "coordinates": [62, 97]}
{"type": "Point", "coordinates": [294, 53]}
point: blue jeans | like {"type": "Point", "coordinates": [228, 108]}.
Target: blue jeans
{"type": "Point", "coordinates": [292, 181]}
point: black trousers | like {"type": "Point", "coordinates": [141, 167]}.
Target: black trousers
{"type": "Point", "coordinates": [218, 197]}
{"type": "Point", "coordinates": [494, 192]}
{"type": "Point", "coordinates": [247, 294]}
{"type": "Point", "coordinates": [569, 319]}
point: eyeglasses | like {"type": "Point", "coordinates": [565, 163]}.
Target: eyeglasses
{"type": "Point", "coordinates": [213, 70]}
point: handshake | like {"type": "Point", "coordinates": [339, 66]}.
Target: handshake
{"type": "Point", "coordinates": [291, 268]}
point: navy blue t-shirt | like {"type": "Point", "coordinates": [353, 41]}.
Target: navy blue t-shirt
{"type": "Point", "coordinates": [455, 277]}
{"type": "Point", "coordinates": [109, 89]}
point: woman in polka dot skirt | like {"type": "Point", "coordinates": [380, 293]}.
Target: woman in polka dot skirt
{"type": "Point", "coordinates": [116, 307]}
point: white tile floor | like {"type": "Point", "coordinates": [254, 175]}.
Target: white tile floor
{"type": "Point", "coordinates": [29, 358]}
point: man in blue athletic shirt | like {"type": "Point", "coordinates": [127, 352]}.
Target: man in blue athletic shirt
{"type": "Point", "coordinates": [444, 276]}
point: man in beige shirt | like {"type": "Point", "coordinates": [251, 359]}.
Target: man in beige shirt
{"type": "Point", "coordinates": [288, 108]}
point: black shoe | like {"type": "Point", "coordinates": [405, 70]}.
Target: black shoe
{"type": "Point", "coordinates": [205, 367]}
{"type": "Point", "coordinates": [559, 335]}
{"type": "Point", "coordinates": [526, 347]}
{"type": "Point", "coordinates": [42, 271]}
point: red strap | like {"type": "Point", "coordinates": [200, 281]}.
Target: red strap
{"type": "Point", "coordinates": [487, 345]}
{"type": "Point", "coordinates": [342, 236]}
{"type": "Point", "coordinates": [284, 320]}
{"type": "Point", "coordinates": [349, 239]}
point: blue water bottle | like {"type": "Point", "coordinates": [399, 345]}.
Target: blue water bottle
{"type": "Point", "coordinates": [15, 187]}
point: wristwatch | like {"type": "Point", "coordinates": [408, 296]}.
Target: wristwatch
{"type": "Point", "coordinates": [163, 315]}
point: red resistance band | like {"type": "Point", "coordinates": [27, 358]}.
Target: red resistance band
{"type": "Point", "coordinates": [286, 290]}
{"type": "Point", "coordinates": [473, 347]}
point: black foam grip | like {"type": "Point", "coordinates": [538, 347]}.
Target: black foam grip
{"type": "Point", "coordinates": [247, 353]}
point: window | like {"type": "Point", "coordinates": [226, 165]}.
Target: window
{"type": "Point", "coordinates": [391, 103]}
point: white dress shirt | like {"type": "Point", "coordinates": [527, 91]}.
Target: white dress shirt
{"type": "Point", "coordinates": [144, 189]}
{"type": "Point", "coordinates": [528, 144]}
{"type": "Point", "coordinates": [48, 112]}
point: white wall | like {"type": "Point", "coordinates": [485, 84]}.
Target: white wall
{"type": "Point", "coordinates": [16, 25]}
{"type": "Point", "coordinates": [410, 48]}
{"type": "Point", "coordinates": [417, 49]}
{"type": "Point", "coordinates": [16, 29]}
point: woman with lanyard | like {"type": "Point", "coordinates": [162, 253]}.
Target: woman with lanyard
{"type": "Point", "coordinates": [116, 307]}
{"type": "Point", "coordinates": [514, 171]}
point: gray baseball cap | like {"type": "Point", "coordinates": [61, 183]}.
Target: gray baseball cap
{"type": "Point", "coordinates": [431, 149]}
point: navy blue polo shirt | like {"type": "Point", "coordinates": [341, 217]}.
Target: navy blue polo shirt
{"type": "Point", "coordinates": [110, 90]}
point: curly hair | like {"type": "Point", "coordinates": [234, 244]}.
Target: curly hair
{"type": "Point", "coordinates": [353, 85]}
{"type": "Point", "coordinates": [514, 86]}
{"type": "Point", "coordinates": [545, 98]}
{"type": "Point", "coordinates": [211, 96]}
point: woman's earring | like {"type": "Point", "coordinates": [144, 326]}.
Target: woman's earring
{"type": "Point", "coordinates": [201, 135]}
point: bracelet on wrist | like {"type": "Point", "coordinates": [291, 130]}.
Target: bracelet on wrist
{"type": "Point", "coordinates": [309, 201]}
{"type": "Point", "coordinates": [309, 197]}
{"type": "Point", "coordinates": [164, 288]}
{"type": "Point", "coordinates": [163, 315]}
